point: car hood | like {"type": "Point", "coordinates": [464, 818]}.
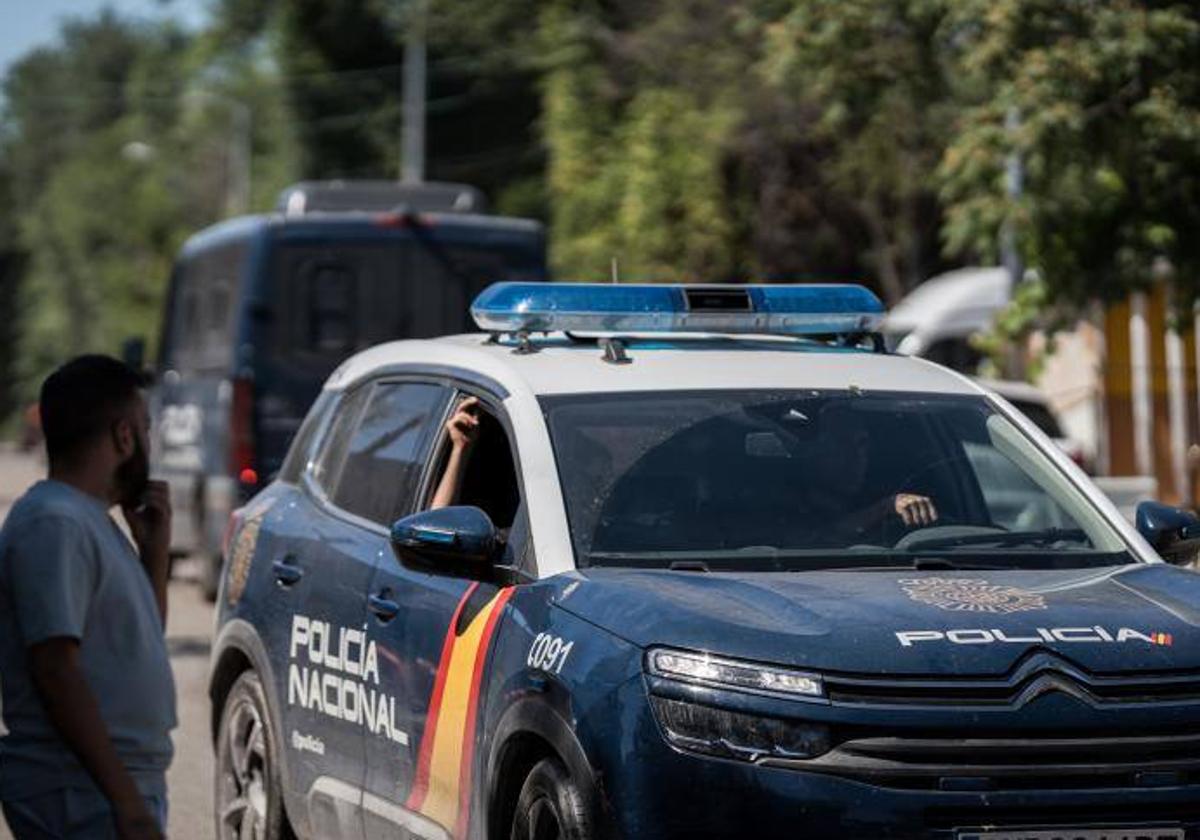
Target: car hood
{"type": "Point", "coordinates": [1115, 620]}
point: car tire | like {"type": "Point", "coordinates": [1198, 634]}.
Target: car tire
{"type": "Point", "coordinates": [247, 784]}
{"type": "Point", "coordinates": [550, 806]}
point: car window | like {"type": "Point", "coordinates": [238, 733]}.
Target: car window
{"type": "Point", "coordinates": [389, 448]}
{"type": "Point", "coordinates": [297, 458]}
{"type": "Point", "coordinates": [328, 462]}
{"type": "Point", "coordinates": [488, 479]}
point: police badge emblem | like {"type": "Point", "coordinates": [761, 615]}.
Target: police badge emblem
{"type": "Point", "coordinates": [239, 558]}
{"type": "Point", "coordinates": [971, 595]}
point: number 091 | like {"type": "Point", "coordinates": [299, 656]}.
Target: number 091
{"type": "Point", "coordinates": [548, 653]}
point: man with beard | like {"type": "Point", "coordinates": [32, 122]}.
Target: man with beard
{"type": "Point", "coordinates": [88, 695]}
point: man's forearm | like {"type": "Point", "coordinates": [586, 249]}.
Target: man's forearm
{"type": "Point", "coordinates": [74, 712]}
{"type": "Point", "coordinates": [447, 489]}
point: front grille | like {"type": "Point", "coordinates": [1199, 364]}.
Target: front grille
{"type": "Point", "coordinates": [991, 764]}
{"type": "Point", "coordinates": [1038, 673]}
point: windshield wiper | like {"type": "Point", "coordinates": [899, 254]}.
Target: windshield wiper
{"type": "Point", "coordinates": [1046, 536]}
{"type": "Point", "coordinates": [924, 564]}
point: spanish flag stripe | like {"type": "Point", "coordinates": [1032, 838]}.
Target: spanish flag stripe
{"type": "Point", "coordinates": [416, 797]}
{"type": "Point", "coordinates": [468, 750]}
{"type": "Point", "coordinates": [446, 744]}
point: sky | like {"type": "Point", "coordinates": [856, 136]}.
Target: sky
{"type": "Point", "coordinates": [26, 24]}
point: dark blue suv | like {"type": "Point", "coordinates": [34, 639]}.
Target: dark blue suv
{"type": "Point", "coordinates": [677, 562]}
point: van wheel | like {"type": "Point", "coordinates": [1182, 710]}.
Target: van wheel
{"type": "Point", "coordinates": [551, 806]}
{"type": "Point", "coordinates": [248, 795]}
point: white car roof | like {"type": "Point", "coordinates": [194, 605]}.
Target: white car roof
{"type": "Point", "coordinates": [563, 366]}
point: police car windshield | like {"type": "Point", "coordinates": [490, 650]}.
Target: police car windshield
{"type": "Point", "coordinates": [768, 480]}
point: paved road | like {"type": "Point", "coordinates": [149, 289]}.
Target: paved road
{"type": "Point", "coordinates": [189, 633]}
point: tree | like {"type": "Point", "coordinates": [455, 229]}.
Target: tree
{"type": "Point", "coordinates": [340, 62]}
{"type": "Point", "coordinates": [1101, 101]}
{"type": "Point", "coordinates": [873, 74]}
{"type": "Point", "coordinates": [639, 112]}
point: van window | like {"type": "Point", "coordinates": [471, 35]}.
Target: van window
{"type": "Point", "coordinates": [335, 298]}
{"type": "Point", "coordinates": [388, 450]}
{"type": "Point", "coordinates": [203, 318]}
{"type": "Point", "coordinates": [330, 315]}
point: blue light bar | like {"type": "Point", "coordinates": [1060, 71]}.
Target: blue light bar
{"type": "Point", "coordinates": [816, 309]}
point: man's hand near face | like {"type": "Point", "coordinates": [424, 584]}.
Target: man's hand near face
{"type": "Point", "coordinates": [150, 525]}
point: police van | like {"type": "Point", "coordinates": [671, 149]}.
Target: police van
{"type": "Point", "coordinates": [717, 565]}
{"type": "Point", "coordinates": [262, 308]}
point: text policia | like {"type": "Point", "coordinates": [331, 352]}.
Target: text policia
{"type": "Point", "coordinates": [341, 677]}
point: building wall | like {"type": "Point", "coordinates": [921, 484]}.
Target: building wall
{"type": "Point", "coordinates": [1151, 409]}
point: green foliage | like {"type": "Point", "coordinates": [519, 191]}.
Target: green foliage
{"type": "Point", "coordinates": [873, 73]}
{"type": "Point", "coordinates": [688, 139]}
{"type": "Point", "coordinates": [1106, 97]}
{"type": "Point", "coordinates": [639, 125]}
{"type": "Point", "coordinates": [119, 141]}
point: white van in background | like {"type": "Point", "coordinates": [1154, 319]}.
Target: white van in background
{"type": "Point", "coordinates": [937, 319]}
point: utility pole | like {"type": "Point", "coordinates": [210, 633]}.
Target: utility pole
{"type": "Point", "coordinates": [412, 156]}
{"type": "Point", "coordinates": [1010, 255]}
{"type": "Point", "coordinates": [1014, 186]}
{"type": "Point", "coordinates": [239, 175]}
{"type": "Point", "coordinates": [241, 158]}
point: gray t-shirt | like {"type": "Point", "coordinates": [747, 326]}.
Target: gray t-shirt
{"type": "Point", "coordinates": [66, 569]}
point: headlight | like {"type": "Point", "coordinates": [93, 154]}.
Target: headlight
{"type": "Point", "coordinates": [727, 673]}
{"type": "Point", "coordinates": [727, 734]}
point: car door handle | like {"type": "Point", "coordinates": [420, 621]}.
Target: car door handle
{"type": "Point", "coordinates": [286, 570]}
{"type": "Point", "coordinates": [385, 608]}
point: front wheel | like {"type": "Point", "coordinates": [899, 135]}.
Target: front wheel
{"type": "Point", "coordinates": [248, 795]}
{"type": "Point", "coordinates": [551, 806]}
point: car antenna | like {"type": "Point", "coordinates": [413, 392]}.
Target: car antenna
{"type": "Point", "coordinates": [616, 278]}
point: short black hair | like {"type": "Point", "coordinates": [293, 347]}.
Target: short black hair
{"type": "Point", "coordinates": [82, 399]}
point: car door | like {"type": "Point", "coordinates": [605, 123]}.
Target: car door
{"type": "Point", "coordinates": [321, 591]}
{"type": "Point", "coordinates": [436, 644]}
{"type": "Point", "coordinates": [383, 465]}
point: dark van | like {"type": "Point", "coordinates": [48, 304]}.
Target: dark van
{"type": "Point", "coordinates": [261, 309]}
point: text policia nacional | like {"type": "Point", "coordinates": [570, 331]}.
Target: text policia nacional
{"type": "Point", "coordinates": [339, 676]}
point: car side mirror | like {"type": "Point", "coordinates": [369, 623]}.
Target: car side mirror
{"type": "Point", "coordinates": [456, 542]}
{"type": "Point", "coordinates": [1173, 532]}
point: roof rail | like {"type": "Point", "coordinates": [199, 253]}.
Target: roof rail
{"type": "Point", "coordinates": [379, 196]}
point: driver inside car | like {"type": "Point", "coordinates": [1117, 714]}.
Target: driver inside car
{"type": "Point", "coordinates": [840, 464]}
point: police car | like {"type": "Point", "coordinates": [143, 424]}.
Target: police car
{"type": "Point", "coordinates": [717, 565]}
